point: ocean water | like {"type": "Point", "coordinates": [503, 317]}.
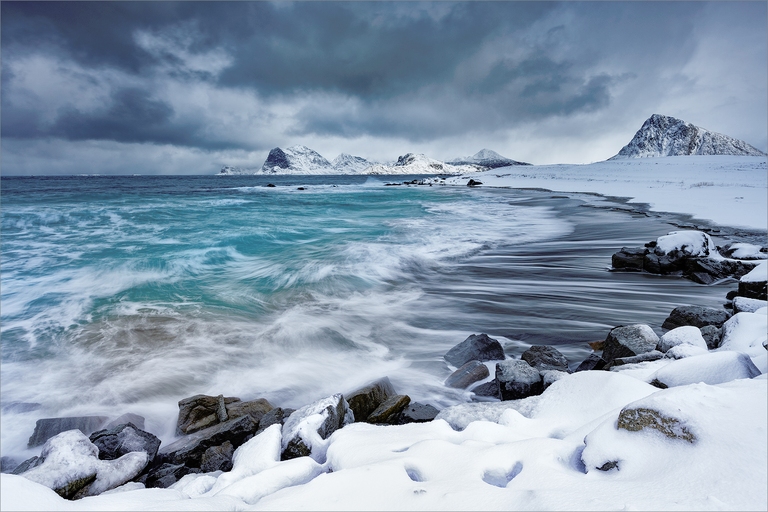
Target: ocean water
{"type": "Point", "coordinates": [126, 294]}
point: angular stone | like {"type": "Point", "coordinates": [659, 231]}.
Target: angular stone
{"type": "Point", "coordinates": [653, 355]}
{"type": "Point", "coordinates": [628, 258]}
{"type": "Point", "coordinates": [166, 475]}
{"type": "Point", "coordinates": [217, 458]}
{"type": "Point", "coordinates": [255, 408]}
{"type": "Point", "coordinates": [298, 440]}
{"type": "Point", "coordinates": [46, 428]}
{"type": "Point", "coordinates": [517, 379]}
{"type": "Point", "coordinates": [116, 442]}
{"type": "Point", "coordinates": [417, 413]}
{"type": "Point", "coordinates": [592, 362]}
{"type": "Point", "coordinates": [201, 411]}
{"type": "Point", "coordinates": [27, 465]}
{"type": "Point", "coordinates": [712, 335]}
{"type": "Point", "coordinates": [698, 316]}
{"type": "Point", "coordinates": [189, 449]}
{"type": "Point", "coordinates": [488, 389]}
{"type": "Point", "coordinates": [629, 340]}
{"type": "Point", "coordinates": [545, 357]}
{"type": "Point", "coordinates": [366, 399]}
{"type": "Point", "coordinates": [708, 271]}
{"type": "Point", "coordinates": [471, 372]}
{"type": "Point", "coordinates": [276, 415]}
{"type": "Point", "coordinates": [129, 417]}
{"type": "Point", "coordinates": [635, 420]}
{"type": "Point", "coordinates": [753, 290]}
{"type": "Point", "coordinates": [478, 347]}
{"type": "Point", "coordinates": [388, 411]}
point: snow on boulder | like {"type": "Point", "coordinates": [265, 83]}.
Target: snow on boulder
{"type": "Point", "coordinates": [629, 340]}
{"type": "Point", "coordinates": [686, 243]}
{"type": "Point", "coordinates": [688, 335]}
{"type": "Point", "coordinates": [698, 316]}
{"type": "Point", "coordinates": [745, 332]}
{"type": "Point", "coordinates": [684, 350]}
{"type": "Point", "coordinates": [518, 379]}
{"type": "Point", "coordinates": [746, 305]}
{"type": "Point", "coordinates": [753, 285]}
{"type": "Point", "coordinates": [256, 455]}
{"type": "Point", "coordinates": [710, 368]}
{"type": "Point", "coordinates": [745, 251]}
{"type": "Point", "coordinates": [305, 432]}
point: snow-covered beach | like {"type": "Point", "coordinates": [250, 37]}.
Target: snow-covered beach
{"type": "Point", "coordinates": [562, 449]}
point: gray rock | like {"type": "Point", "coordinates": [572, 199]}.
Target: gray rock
{"type": "Point", "coordinates": [46, 428]}
{"type": "Point", "coordinates": [517, 379]}
{"type": "Point", "coordinates": [366, 399]}
{"type": "Point", "coordinates": [218, 458]}
{"type": "Point", "coordinates": [653, 355]}
{"type": "Point", "coordinates": [166, 475]}
{"type": "Point", "coordinates": [592, 362]}
{"type": "Point", "coordinates": [628, 340]}
{"type": "Point", "coordinates": [389, 410]}
{"type": "Point", "coordinates": [276, 415]}
{"type": "Point", "coordinates": [255, 408]}
{"type": "Point", "coordinates": [201, 411]}
{"type": "Point", "coordinates": [635, 420]}
{"type": "Point", "coordinates": [27, 465]}
{"type": "Point", "coordinates": [417, 413]}
{"type": "Point", "coordinates": [471, 372]}
{"type": "Point", "coordinates": [698, 316]}
{"type": "Point", "coordinates": [115, 442]}
{"type": "Point", "coordinates": [628, 258]}
{"type": "Point", "coordinates": [478, 347]}
{"type": "Point", "coordinates": [129, 417]}
{"type": "Point", "coordinates": [336, 414]}
{"type": "Point", "coordinates": [488, 389]}
{"type": "Point", "coordinates": [545, 357]}
{"type": "Point", "coordinates": [189, 449]}
{"type": "Point", "coordinates": [708, 271]}
{"type": "Point", "coordinates": [712, 335]}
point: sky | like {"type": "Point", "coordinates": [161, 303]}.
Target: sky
{"type": "Point", "coordinates": [187, 87]}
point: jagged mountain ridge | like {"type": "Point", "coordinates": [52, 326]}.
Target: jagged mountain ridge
{"type": "Point", "coordinates": [486, 158]}
{"type": "Point", "coordinates": [668, 136]}
{"type": "Point", "coordinates": [417, 163]}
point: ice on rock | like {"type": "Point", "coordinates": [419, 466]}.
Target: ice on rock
{"type": "Point", "coordinates": [690, 243]}
{"type": "Point", "coordinates": [686, 335]}
{"type": "Point", "coordinates": [709, 368]}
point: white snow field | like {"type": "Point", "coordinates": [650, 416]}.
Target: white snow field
{"type": "Point", "coordinates": [727, 190]}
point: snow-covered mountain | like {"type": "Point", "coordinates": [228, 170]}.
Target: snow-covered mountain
{"type": "Point", "coordinates": [487, 159]}
{"type": "Point", "coordinates": [669, 136]}
{"type": "Point", "coordinates": [413, 163]}
{"type": "Point", "coordinates": [349, 164]}
{"type": "Point", "coordinates": [296, 160]}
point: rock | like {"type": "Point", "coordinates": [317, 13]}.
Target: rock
{"type": "Point", "coordinates": [478, 347]}
{"type": "Point", "coordinates": [46, 428]}
{"type": "Point", "coordinates": [366, 399]}
{"type": "Point", "coordinates": [635, 420]}
{"type": "Point", "coordinates": [201, 411]}
{"type": "Point", "coordinates": [629, 340]}
{"type": "Point", "coordinates": [137, 420]}
{"type": "Point", "coordinates": [517, 379]}
{"type": "Point", "coordinates": [686, 334]}
{"type": "Point", "coordinates": [712, 336]}
{"type": "Point", "coordinates": [27, 465]}
{"type": "Point", "coordinates": [270, 185]}
{"type": "Point", "coordinates": [488, 389]}
{"type": "Point", "coordinates": [389, 410]}
{"type": "Point", "coordinates": [217, 458]}
{"type": "Point", "coordinates": [306, 429]}
{"type": "Point", "coordinates": [743, 251]}
{"type": "Point", "coordinates": [731, 295]}
{"type": "Point", "coordinates": [255, 408]}
{"type": "Point", "coordinates": [710, 368]}
{"type": "Point", "coordinates": [166, 475]}
{"type": "Point", "coordinates": [416, 413]}
{"type": "Point", "coordinates": [698, 316]}
{"type": "Point", "coordinates": [115, 442]}
{"type": "Point", "coordinates": [746, 305]}
{"type": "Point", "coordinates": [754, 284]}
{"type": "Point", "coordinates": [708, 270]}
{"type": "Point", "coordinates": [611, 464]}
{"type": "Point", "coordinates": [592, 362]}
{"type": "Point", "coordinates": [628, 258]}
{"type": "Point", "coordinates": [474, 183]}
{"type": "Point", "coordinates": [276, 415]}
{"type": "Point", "coordinates": [653, 355]}
{"type": "Point", "coordinates": [189, 449]}
{"type": "Point", "coordinates": [472, 371]}
{"type": "Point", "coordinates": [684, 350]}
{"type": "Point", "coordinates": [545, 357]}
{"type": "Point", "coordinates": [549, 377]}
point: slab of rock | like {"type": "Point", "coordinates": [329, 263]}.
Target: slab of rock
{"type": "Point", "coordinates": [389, 410]}
{"type": "Point", "coordinates": [189, 449]}
{"type": "Point", "coordinates": [417, 413]}
{"type": "Point", "coordinates": [217, 458]}
{"type": "Point", "coordinates": [129, 417]}
{"type": "Point", "coordinates": [307, 428]}
{"type": "Point", "coordinates": [366, 399]}
{"type": "Point", "coordinates": [46, 428]}
{"type": "Point", "coordinates": [629, 258]}
{"type": "Point", "coordinates": [592, 362]}
{"type": "Point", "coordinates": [628, 341]}
{"type": "Point", "coordinates": [202, 411]}
{"type": "Point", "coordinates": [712, 336]}
{"type": "Point", "coordinates": [545, 357]}
{"type": "Point", "coordinates": [276, 415]}
{"type": "Point", "coordinates": [517, 379]}
{"type": "Point", "coordinates": [166, 475]}
{"type": "Point", "coordinates": [488, 389]}
{"type": "Point", "coordinates": [653, 355]}
{"type": "Point", "coordinates": [471, 372]}
{"type": "Point", "coordinates": [709, 271]}
{"type": "Point", "coordinates": [478, 347]}
{"type": "Point", "coordinates": [637, 419]}
{"type": "Point", "coordinates": [698, 316]}
{"type": "Point", "coordinates": [115, 442]}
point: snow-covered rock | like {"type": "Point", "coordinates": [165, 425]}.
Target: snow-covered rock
{"type": "Point", "coordinates": [412, 163]}
{"type": "Point", "coordinates": [667, 136]}
{"type": "Point", "coordinates": [710, 368]}
{"type": "Point", "coordinates": [306, 431]}
{"type": "Point", "coordinates": [487, 159]}
{"type": "Point", "coordinates": [745, 251]}
{"type": "Point", "coordinates": [688, 243]}
{"type": "Point", "coordinates": [350, 164]}
{"type": "Point", "coordinates": [747, 305]}
{"type": "Point", "coordinates": [687, 334]}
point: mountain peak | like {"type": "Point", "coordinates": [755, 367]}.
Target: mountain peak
{"type": "Point", "coordinates": [486, 158]}
{"type": "Point", "coordinates": [663, 135]}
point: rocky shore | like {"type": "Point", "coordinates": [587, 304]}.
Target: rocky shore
{"type": "Point", "coordinates": [91, 455]}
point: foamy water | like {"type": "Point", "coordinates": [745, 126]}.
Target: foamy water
{"type": "Point", "coordinates": [126, 294]}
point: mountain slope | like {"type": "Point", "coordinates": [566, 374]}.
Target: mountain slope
{"type": "Point", "coordinates": [413, 163]}
{"type": "Point", "coordinates": [350, 164]}
{"type": "Point", "coordinates": [486, 158]}
{"type": "Point", "coordinates": [668, 136]}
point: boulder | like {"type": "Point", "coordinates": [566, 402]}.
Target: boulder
{"type": "Point", "coordinates": [189, 449]}
{"type": "Point", "coordinates": [471, 372]}
{"type": "Point", "coordinates": [27, 465]}
{"type": "Point", "coordinates": [202, 411]}
{"type": "Point", "coordinates": [255, 408]}
{"type": "Point", "coordinates": [474, 183]}
{"type": "Point", "coordinates": [129, 417]}
{"type": "Point", "coordinates": [709, 271]}
{"type": "Point", "coordinates": [592, 362]}
{"type": "Point", "coordinates": [46, 428]}
{"type": "Point", "coordinates": [653, 355]}
{"type": "Point", "coordinates": [747, 305]}
{"type": "Point", "coordinates": [366, 399]}
{"type": "Point", "coordinates": [416, 413]}
{"type": "Point", "coordinates": [698, 316]}
{"type": "Point", "coordinates": [545, 357]}
{"type": "Point", "coordinates": [753, 285]}
{"type": "Point", "coordinates": [115, 442]}
{"type": "Point", "coordinates": [712, 336]}
{"type": "Point", "coordinates": [389, 410]}
{"type": "Point", "coordinates": [687, 334]}
{"type": "Point", "coordinates": [217, 458]}
{"type": "Point", "coordinates": [478, 347]}
{"type": "Point", "coordinates": [710, 368]}
{"type": "Point", "coordinates": [628, 258]}
{"type": "Point", "coordinates": [628, 341]}
{"type": "Point", "coordinates": [276, 415]}
{"type": "Point", "coordinates": [637, 419]}
{"type": "Point", "coordinates": [549, 377]}
{"type": "Point", "coordinates": [305, 431]}
{"type": "Point", "coordinates": [744, 251]}
{"type": "Point", "coordinates": [488, 389]}
{"type": "Point", "coordinates": [684, 350]}
{"type": "Point", "coordinates": [166, 475]}
{"type": "Point", "coordinates": [517, 379]}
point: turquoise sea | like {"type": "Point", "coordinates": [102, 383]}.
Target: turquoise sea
{"type": "Point", "coordinates": [126, 294]}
